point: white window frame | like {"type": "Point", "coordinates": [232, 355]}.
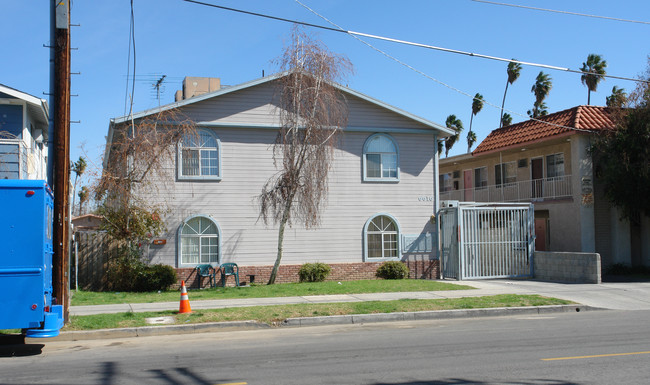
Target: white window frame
{"type": "Point", "coordinates": [397, 233]}
{"type": "Point", "coordinates": [508, 179]}
{"type": "Point", "coordinates": [200, 148]}
{"type": "Point", "coordinates": [555, 164]}
{"type": "Point", "coordinates": [482, 182]}
{"type": "Point", "coordinates": [182, 236]}
{"type": "Point", "coordinates": [366, 152]}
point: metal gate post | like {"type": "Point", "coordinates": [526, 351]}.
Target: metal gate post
{"type": "Point", "coordinates": [461, 244]}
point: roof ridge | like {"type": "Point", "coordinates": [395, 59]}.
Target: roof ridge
{"type": "Point", "coordinates": [576, 117]}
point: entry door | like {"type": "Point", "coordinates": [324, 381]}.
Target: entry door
{"type": "Point", "coordinates": [540, 234]}
{"type": "Point", "coordinates": [537, 176]}
{"type": "Point", "coordinates": [469, 188]}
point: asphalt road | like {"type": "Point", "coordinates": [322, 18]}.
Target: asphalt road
{"type": "Point", "coordinates": [598, 347]}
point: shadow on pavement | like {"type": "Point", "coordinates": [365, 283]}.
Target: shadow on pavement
{"type": "Point", "coordinates": [13, 345]}
{"type": "Point", "coordinates": [625, 278]}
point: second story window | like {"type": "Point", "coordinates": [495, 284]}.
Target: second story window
{"type": "Point", "coordinates": [380, 159]}
{"type": "Point", "coordinates": [554, 165]}
{"type": "Point", "coordinates": [505, 173]}
{"type": "Point", "coordinates": [480, 177]}
{"type": "Point", "coordinates": [200, 157]}
{"type": "Point", "coordinates": [445, 182]}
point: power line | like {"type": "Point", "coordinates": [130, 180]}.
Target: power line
{"type": "Point", "coordinates": [449, 50]}
{"type": "Point", "coordinates": [563, 12]}
{"type": "Point", "coordinates": [438, 81]}
{"type": "Point", "coordinates": [128, 64]}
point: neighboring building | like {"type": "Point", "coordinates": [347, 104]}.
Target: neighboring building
{"type": "Point", "coordinates": [381, 197]}
{"type": "Point", "coordinates": [87, 222]}
{"type": "Point", "coordinates": [23, 135]}
{"type": "Point", "coordinates": [547, 162]}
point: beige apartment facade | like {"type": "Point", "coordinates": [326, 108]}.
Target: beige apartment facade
{"type": "Point", "coordinates": [547, 162]}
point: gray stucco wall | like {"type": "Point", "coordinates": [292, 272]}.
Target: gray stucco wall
{"type": "Point", "coordinates": [567, 267]}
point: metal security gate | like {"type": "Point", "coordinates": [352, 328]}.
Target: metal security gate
{"type": "Point", "coordinates": [487, 240]}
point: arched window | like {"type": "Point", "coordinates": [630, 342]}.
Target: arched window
{"type": "Point", "coordinates": [200, 156]}
{"type": "Point", "coordinates": [381, 238]}
{"type": "Point", "coordinates": [199, 241]}
{"type": "Point", "coordinates": [380, 159]}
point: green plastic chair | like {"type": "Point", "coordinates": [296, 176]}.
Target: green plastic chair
{"type": "Point", "coordinates": [204, 271]}
{"type": "Point", "coordinates": [229, 269]}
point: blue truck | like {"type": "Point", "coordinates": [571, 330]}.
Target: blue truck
{"type": "Point", "coordinates": [26, 225]}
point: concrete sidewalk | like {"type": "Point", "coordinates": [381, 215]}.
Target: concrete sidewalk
{"type": "Point", "coordinates": [620, 296]}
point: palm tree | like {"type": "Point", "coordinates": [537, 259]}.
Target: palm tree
{"type": "Point", "coordinates": [477, 106]}
{"type": "Point", "coordinates": [513, 74]}
{"type": "Point", "coordinates": [539, 109]}
{"type": "Point", "coordinates": [506, 120]}
{"type": "Point", "coordinates": [78, 167]}
{"type": "Point", "coordinates": [542, 87]}
{"type": "Point", "coordinates": [456, 125]}
{"type": "Point", "coordinates": [83, 196]}
{"type": "Point", "coordinates": [617, 99]}
{"type": "Point", "coordinates": [592, 73]}
{"type": "Point", "coordinates": [471, 139]}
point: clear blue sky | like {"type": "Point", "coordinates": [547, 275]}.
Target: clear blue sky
{"type": "Point", "coordinates": [180, 39]}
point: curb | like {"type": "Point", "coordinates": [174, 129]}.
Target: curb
{"type": "Point", "coordinates": [313, 321]}
{"type": "Point", "coordinates": [434, 314]}
{"type": "Point", "coordinates": [145, 331]}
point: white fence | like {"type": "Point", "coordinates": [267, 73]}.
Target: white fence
{"type": "Point", "coordinates": [487, 240]}
{"type": "Point", "coordinates": [526, 190]}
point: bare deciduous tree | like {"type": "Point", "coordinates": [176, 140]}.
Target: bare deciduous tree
{"type": "Point", "coordinates": [141, 157]}
{"type": "Point", "coordinates": [312, 112]}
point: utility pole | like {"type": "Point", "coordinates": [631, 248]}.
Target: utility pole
{"type": "Point", "coordinates": [61, 96]}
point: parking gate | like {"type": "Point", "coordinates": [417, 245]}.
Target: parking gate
{"type": "Point", "coordinates": [487, 240]}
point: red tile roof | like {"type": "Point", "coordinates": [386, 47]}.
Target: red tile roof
{"type": "Point", "coordinates": [590, 118]}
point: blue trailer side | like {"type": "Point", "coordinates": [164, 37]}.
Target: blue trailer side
{"type": "Point", "coordinates": [26, 220]}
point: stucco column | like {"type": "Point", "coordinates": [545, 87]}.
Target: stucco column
{"type": "Point", "coordinates": [436, 193]}
{"type": "Point", "coordinates": [583, 190]}
{"type": "Point", "coordinates": [436, 175]}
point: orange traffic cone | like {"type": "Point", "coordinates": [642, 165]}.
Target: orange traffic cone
{"type": "Point", "coordinates": [185, 301]}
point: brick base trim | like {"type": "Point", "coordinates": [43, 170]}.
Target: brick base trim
{"type": "Point", "coordinates": [419, 269]}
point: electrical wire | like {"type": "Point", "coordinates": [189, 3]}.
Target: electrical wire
{"type": "Point", "coordinates": [563, 12]}
{"type": "Point", "coordinates": [420, 45]}
{"type": "Point", "coordinates": [128, 64]}
{"type": "Point", "coordinates": [357, 34]}
{"type": "Point", "coordinates": [438, 81]}
{"type": "Point", "coordinates": [128, 67]}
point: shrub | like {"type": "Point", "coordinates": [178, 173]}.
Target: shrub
{"type": "Point", "coordinates": [124, 270]}
{"type": "Point", "coordinates": [156, 277]}
{"type": "Point", "coordinates": [128, 273]}
{"type": "Point", "coordinates": [314, 272]}
{"type": "Point", "coordinates": [392, 270]}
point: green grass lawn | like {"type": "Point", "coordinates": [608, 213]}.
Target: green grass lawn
{"type": "Point", "coordinates": [264, 291]}
{"type": "Point", "coordinates": [276, 314]}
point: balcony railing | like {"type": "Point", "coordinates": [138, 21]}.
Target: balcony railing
{"type": "Point", "coordinates": [521, 191]}
{"type": "Point", "coordinates": [17, 161]}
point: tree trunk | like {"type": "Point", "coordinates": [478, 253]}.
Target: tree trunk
{"type": "Point", "coordinates": [503, 103]}
{"type": "Point", "coordinates": [283, 225]}
{"type": "Point", "coordinates": [469, 146]}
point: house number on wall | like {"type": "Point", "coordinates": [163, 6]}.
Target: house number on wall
{"type": "Point", "coordinates": [425, 199]}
